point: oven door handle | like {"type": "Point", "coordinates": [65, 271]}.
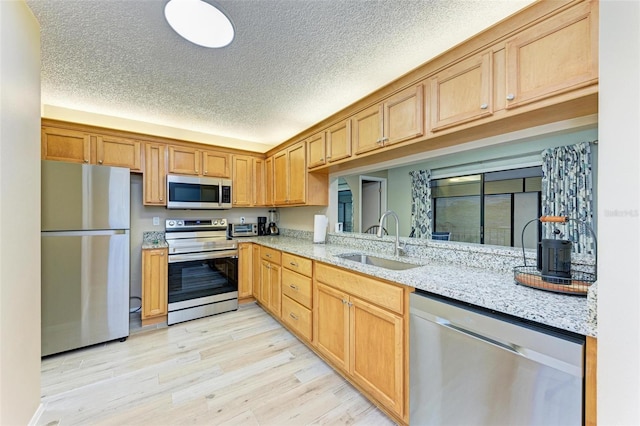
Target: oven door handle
{"type": "Point", "coordinates": [175, 258]}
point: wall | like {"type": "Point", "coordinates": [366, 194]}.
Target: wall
{"type": "Point", "coordinates": [19, 213]}
{"type": "Point", "coordinates": [142, 220]}
{"type": "Point", "coordinates": [619, 215]}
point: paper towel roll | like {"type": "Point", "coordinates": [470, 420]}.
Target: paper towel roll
{"type": "Point", "coordinates": [320, 223]}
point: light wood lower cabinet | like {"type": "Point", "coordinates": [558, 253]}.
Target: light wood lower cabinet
{"type": "Point", "coordinates": [245, 270]}
{"type": "Point", "coordinates": [364, 339]}
{"type": "Point", "coordinates": [591, 383]}
{"type": "Point", "coordinates": [154, 285]}
{"type": "Point", "coordinates": [255, 270]}
{"type": "Point", "coordinates": [270, 285]}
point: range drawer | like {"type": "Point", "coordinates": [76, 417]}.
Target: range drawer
{"type": "Point", "coordinates": [270, 255]}
{"type": "Point", "coordinates": [299, 264]}
{"type": "Point", "coordinates": [297, 317]}
{"type": "Point", "coordinates": [297, 287]}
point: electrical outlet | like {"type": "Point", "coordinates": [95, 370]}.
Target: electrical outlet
{"type": "Point", "coordinates": [242, 219]}
{"type": "Point", "coordinates": [156, 221]}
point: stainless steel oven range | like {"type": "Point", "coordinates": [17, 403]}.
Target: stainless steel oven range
{"type": "Point", "coordinates": [203, 269]}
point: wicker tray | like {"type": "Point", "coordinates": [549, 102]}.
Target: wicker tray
{"type": "Point", "coordinates": [578, 284]}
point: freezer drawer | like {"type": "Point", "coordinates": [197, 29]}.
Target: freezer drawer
{"type": "Point", "coordinates": [85, 288]}
{"type": "Point", "coordinates": [471, 367]}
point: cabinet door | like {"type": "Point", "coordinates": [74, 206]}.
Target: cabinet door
{"type": "Point", "coordinates": [242, 181]}
{"type": "Point", "coordinates": [281, 182]}
{"type": "Point", "coordinates": [154, 283]}
{"type": "Point", "coordinates": [462, 93]}
{"type": "Point", "coordinates": [367, 130]}
{"type": "Point", "coordinates": [275, 287]}
{"type": "Point", "coordinates": [215, 164]}
{"type": "Point", "coordinates": [331, 324]}
{"type": "Point", "coordinates": [376, 348]}
{"type": "Point", "coordinates": [183, 160]}
{"type": "Point", "coordinates": [339, 141]}
{"type": "Point", "coordinates": [317, 150]}
{"type": "Point", "coordinates": [155, 174]}
{"type": "Point", "coordinates": [255, 285]}
{"type": "Point", "coordinates": [269, 173]}
{"type": "Point", "coordinates": [553, 57]}
{"type": "Point", "coordinates": [265, 289]}
{"type": "Point", "coordinates": [297, 173]}
{"type": "Point", "coordinates": [65, 145]}
{"type": "Point", "coordinates": [119, 152]}
{"type": "Point", "coordinates": [245, 270]}
{"type": "Point", "coordinates": [403, 115]}
{"type": "Point", "coordinates": [259, 182]}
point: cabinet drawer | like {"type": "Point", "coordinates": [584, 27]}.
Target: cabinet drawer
{"type": "Point", "coordinates": [270, 255]}
{"type": "Point", "coordinates": [301, 265]}
{"type": "Point", "coordinates": [297, 317]}
{"type": "Point", "coordinates": [297, 287]}
{"type": "Point", "coordinates": [382, 294]}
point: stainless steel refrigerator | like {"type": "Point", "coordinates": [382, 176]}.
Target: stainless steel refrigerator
{"type": "Point", "coordinates": [85, 255]}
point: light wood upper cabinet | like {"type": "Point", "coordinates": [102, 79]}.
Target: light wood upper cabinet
{"type": "Point", "coordinates": [269, 173]}
{"type": "Point", "coordinates": [245, 270]}
{"type": "Point", "coordinates": [403, 115]}
{"type": "Point", "coordinates": [119, 152]}
{"type": "Point", "coordinates": [317, 150]}
{"type": "Point", "coordinates": [155, 174]}
{"type": "Point", "coordinates": [462, 93]}
{"type": "Point", "coordinates": [555, 56]}
{"type": "Point", "coordinates": [66, 145]}
{"type": "Point", "coordinates": [190, 161]}
{"type": "Point", "coordinates": [339, 141]}
{"type": "Point", "coordinates": [242, 178]}
{"type": "Point", "coordinates": [397, 119]}
{"type": "Point", "coordinates": [154, 285]}
{"type": "Point", "coordinates": [367, 130]}
{"type": "Point", "coordinates": [216, 164]}
{"type": "Point", "coordinates": [184, 160]}
{"type": "Point", "coordinates": [291, 177]}
{"type": "Point", "coordinates": [76, 146]}
{"type": "Point", "coordinates": [259, 182]}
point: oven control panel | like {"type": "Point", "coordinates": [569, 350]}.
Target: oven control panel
{"type": "Point", "coordinates": [186, 224]}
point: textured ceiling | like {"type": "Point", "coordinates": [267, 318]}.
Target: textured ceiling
{"type": "Point", "coordinates": [291, 64]}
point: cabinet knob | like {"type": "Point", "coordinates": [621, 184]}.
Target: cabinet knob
{"type": "Point", "coordinates": [99, 161]}
{"type": "Point", "coordinates": [385, 139]}
{"type": "Point", "coordinates": [86, 161]}
{"type": "Point", "coordinates": [160, 198]}
{"type": "Point", "coordinates": [484, 106]}
{"type": "Point", "coordinates": [511, 97]}
{"type": "Point", "coordinates": [322, 159]}
{"type": "Point", "coordinates": [196, 170]}
{"type": "Point", "coordinates": [162, 254]}
{"type": "Point", "coordinates": [205, 172]}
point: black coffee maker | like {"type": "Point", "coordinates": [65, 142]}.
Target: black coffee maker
{"type": "Point", "coordinates": [262, 225]}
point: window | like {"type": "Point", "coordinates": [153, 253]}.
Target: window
{"type": "Point", "coordinates": [489, 208]}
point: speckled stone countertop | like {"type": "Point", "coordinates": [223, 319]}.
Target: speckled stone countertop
{"type": "Point", "coordinates": [489, 288]}
{"type": "Point", "coordinates": [153, 240]}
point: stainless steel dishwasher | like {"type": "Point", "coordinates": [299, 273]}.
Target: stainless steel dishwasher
{"type": "Point", "coordinates": [470, 366]}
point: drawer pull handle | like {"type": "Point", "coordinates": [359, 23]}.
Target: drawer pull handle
{"type": "Point", "coordinates": [294, 287]}
{"type": "Point", "coordinates": [293, 264]}
{"type": "Point", "coordinates": [293, 316]}
{"type": "Point", "coordinates": [484, 106]}
{"type": "Point", "coordinates": [268, 255]}
{"type": "Point", "coordinates": [511, 97]}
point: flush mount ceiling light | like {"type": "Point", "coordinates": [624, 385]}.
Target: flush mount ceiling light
{"type": "Point", "coordinates": [199, 22]}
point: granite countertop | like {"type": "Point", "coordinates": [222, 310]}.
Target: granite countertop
{"type": "Point", "coordinates": [153, 240]}
{"type": "Point", "coordinates": [487, 288]}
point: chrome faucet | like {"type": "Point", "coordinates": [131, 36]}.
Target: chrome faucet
{"type": "Point", "coordinates": [399, 248]}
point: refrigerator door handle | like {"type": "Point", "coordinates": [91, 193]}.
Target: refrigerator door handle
{"type": "Point", "coordinates": [83, 233]}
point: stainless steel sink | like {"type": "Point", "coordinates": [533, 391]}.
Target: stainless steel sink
{"type": "Point", "coordinates": [380, 262]}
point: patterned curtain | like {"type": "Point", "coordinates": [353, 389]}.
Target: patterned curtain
{"type": "Point", "coordinates": [421, 215]}
{"type": "Point", "coordinates": [567, 190]}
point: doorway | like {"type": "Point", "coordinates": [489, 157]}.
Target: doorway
{"type": "Point", "coordinates": [373, 200]}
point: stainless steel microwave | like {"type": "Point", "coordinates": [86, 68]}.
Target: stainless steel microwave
{"type": "Point", "coordinates": [202, 193]}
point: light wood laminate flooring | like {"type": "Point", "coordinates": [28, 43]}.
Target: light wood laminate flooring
{"type": "Point", "coordinates": [240, 367]}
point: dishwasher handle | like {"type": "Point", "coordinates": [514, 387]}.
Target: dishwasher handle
{"type": "Point", "coordinates": [558, 364]}
{"type": "Point", "coordinates": [504, 345]}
